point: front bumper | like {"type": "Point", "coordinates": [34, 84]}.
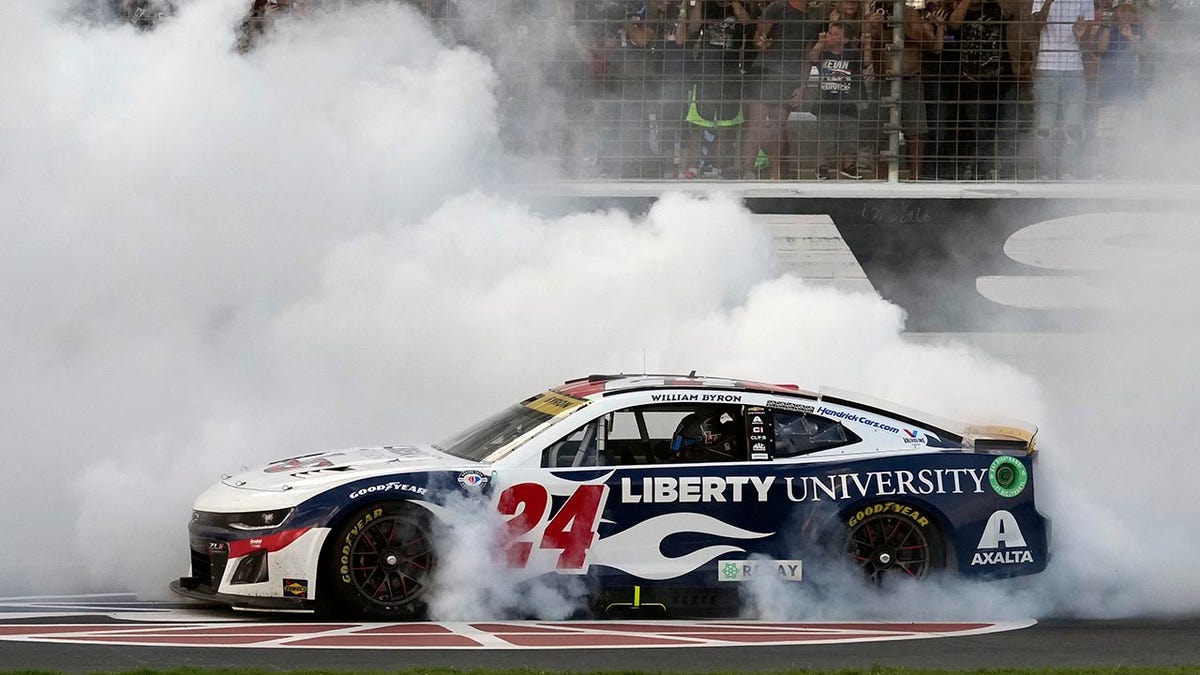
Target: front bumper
{"type": "Point", "coordinates": [197, 589]}
{"type": "Point", "coordinates": [270, 571]}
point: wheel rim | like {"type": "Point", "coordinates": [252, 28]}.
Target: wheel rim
{"type": "Point", "coordinates": [390, 561]}
{"type": "Point", "coordinates": [883, 544]}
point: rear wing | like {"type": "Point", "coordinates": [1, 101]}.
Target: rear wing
{"type": "Point", "coordinates": [1007, 437]}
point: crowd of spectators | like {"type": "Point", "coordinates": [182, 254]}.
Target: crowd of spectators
{"type": "Point", "coordinates": [813, 90]}
{"type": "Point", "coordinates": [807, 89]}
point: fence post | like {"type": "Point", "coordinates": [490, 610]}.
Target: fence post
{"type": "Point", "coordinates": [895, 65]}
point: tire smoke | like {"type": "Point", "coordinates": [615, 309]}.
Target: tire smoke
{"type": "Point", "coordinates": [217, 260]}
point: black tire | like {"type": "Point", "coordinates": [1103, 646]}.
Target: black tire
{"type": "Point", "coordinates": [890, 539]}
{"type": "Point", "coordinates": [380, 563]}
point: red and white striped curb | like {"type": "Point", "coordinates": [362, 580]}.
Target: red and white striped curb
{"type": "Point", "coordinates": [492, 635]}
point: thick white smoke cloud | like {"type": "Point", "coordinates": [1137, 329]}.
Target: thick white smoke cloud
{"type": "Point", "coordinates": [165, 202]}
{"type": "Point", "coordinates": [214, 260]}
{"type": "Point", "coordinates": [469, 539]}
{"type": "Point", "coordinates": [1121, 446]}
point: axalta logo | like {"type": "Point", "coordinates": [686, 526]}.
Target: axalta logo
{"type": "Point", "coordinates": [744, 570]}
{"type": "Point", "coordinates": [1002, 542]}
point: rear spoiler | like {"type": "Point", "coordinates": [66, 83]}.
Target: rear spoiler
{"type": "Point", "coordinates": [1008, 437]}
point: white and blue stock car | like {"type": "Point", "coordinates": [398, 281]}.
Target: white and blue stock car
{"type": "Point", "coordinates": [662, 490]}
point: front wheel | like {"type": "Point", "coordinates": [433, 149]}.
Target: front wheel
{"type": "Point", "coordinates": [382, 562]}
{"type": "Point", "coordinates": [884, 541]}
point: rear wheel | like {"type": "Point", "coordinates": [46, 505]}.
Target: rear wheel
{"type": "Point", "coordinates": [892, 542]}
{"type": "Point", "coordinates": [382, 562]}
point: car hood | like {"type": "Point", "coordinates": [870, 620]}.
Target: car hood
{"type": "Point", "coordinates": [324, 469]}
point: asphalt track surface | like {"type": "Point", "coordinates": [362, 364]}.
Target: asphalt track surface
{"type": "Point", "coordinates": [1047, 643]}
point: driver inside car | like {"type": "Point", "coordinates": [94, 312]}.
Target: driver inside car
{"type": "Point", "coordinates": [708, 436]}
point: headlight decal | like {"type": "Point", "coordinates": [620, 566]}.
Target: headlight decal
{"type": "Point", "coordinates": [269, 543]}
{"type": "Point", "coordinates": [259, 520]}
{"type": "Point", "coordinates": [253, 520]}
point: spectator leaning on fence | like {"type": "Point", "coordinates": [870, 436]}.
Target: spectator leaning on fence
{"type": "Point", "coordinates": [841, 98]}
{"type": "Point", "coordinates": [671, 90]}
{"type": "Point", "coordinates": [718, 29]}
{"type": "Point", "coordinates": [1059, 88]}
{"type": "Point", "coordinates": [988, 110]}
{"type": "Point", "coordinates": [940, 79]}
{"type": "Point", "coordinates": [1118, 41]}
{"type": "Point", "coordinates": [626, 148]}
{"type": "Point", "coordinates": [783, 36]}
{"type": "Point", "coordinates": [920, 33]}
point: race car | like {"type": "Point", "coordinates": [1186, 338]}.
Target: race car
{"type": "Point", "coordinates": [666, 491]}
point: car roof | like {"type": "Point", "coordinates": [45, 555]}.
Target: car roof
{"type": "Point", "coordinates": [1016, 432]}
{"type": "Point", "coordinates": [597, 385]}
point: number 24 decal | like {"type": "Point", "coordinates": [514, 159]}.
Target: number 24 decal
{"type": "Point", "coordinates": [572, 529]}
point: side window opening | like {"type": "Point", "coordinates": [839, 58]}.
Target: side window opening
{"type": "Point", "coordinates": [642, 435]}
{"type": "Point", "coordinates": [677, 434]}
{"type": "Point", "coordinates": [583, 447]}
{"type": "Point", "coordinates": [654, 434]}
{"type": "Point", "coordinates": [802, 433]}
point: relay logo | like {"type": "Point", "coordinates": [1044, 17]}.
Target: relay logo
{"type": "Point", "coordinates": [744, 570]}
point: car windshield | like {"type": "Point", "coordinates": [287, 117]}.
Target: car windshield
{"type": "Point", "coordinates": [507, 430]}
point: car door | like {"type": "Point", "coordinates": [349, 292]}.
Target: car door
{"type": "Point", "coordinates": [613, 497]}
